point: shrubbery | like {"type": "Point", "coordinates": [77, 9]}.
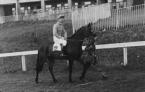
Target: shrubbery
{"type": "Point", "coordinates": [136, 55]}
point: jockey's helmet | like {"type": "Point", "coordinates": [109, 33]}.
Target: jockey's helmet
{"type": "Point", "coordinates": [60, 16]}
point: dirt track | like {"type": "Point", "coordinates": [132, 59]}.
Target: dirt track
{"type": "Point", "coordinates": [119, 80]}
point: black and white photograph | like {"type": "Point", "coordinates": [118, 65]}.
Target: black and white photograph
{"type": "Point", "coordinates": [72, 45]}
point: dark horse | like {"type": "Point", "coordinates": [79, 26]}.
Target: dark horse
{"type": "Point", "coordinates": [72, 51]}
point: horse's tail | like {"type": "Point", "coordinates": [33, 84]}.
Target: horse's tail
{"type": "Point", "coordinates": [38, 61]}
{"type": "Point", "coordinates": [41, 58]}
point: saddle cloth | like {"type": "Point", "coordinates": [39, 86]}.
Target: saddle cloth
{"type": "Point", "coordinates": [58, 43]}
{"type": "Point", "coordinates": [57, 51]}
{"type": "Point", "coordinates": [57, 47]}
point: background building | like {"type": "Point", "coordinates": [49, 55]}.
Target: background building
{"type": "Point", "coordinates": [15, 7]}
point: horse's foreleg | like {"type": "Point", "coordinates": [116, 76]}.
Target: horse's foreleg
{"type": "Point", "coordinates": [70, 70]}
{"type": "Point", "coordinates": [37, 75]}
{"type": "Point", "coordinates": [85, 68]}
{"type": "Point", "coordinates": [51, 64]}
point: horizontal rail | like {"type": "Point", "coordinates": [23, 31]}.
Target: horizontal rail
{"type": "Point", "coordinates": [24, 53]}
{"type": "Point", "coordinates": [121, 45]}
{"type": "Point", "coordinates": [104, 46]}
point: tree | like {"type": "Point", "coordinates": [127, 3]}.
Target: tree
{"type": "Point", "coordinates": [138, 2]}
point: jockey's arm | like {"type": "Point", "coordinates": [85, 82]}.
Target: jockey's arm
{"type": "Point", "coordinates": [65, 33]}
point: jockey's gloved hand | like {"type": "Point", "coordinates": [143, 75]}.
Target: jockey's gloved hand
{"type": "Point", "coordinates": [62, 38]}
{"type": "Point", "coordinates": [104, 30]}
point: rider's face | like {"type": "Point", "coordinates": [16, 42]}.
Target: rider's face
{"type": "Point", "coordinates": [61, 20]}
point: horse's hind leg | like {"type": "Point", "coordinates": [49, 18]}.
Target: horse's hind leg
{"type": "Point", "coordinates": [51, 64]}
{"type": "Point", "coordinates": [85, 68]}
{"type": "Point", "coordinates": [39, 67]}
{"type": "Point", "coordinates": [70, 70]}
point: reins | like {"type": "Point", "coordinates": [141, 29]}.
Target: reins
{"type": "Point", "coordinates": [75, 40]}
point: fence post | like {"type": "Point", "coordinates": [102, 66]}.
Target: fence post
{"type": "Point", "coordinates": [17, 10]}
{"type": "Point", "coordinates": [23, 63]}
{"type": "Point", "coordinates": [117, 18]}
{"type": "Point", "coordinates": [125, 56]}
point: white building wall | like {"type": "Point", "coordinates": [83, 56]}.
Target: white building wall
{"type": "Point", "coordinates": [14, 1]}
{"type": "Point", "coordinates": [129, 3]}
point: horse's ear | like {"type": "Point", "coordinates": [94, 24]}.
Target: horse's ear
{"type": "Point", "coordinates": [90, 24]}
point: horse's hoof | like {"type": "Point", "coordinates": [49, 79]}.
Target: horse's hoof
{"type": "Point", "coordinates": [36, 81]}
{"type": "Point", "coordinates": [70, 81]}
{"type": "Point", "coordinates": [55, 81]}
{"type": "Point", "coordinates": [82, 78]}
{"type": "Point", "coordinates": [104, 77]}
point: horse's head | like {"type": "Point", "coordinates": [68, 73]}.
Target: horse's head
{"type": "Point", "coordinates": [87, 31]}
{"type": "Point", "coordinates": [90, 43]}
{"type": "Point", "coordinates": [90, 40]}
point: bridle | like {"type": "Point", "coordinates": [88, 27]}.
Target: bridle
{"type": "Point", "coordinates": [75, 40]}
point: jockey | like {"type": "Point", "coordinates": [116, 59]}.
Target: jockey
{"type": "Point", "coordinates": [59, 34]}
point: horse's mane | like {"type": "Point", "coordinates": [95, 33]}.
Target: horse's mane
{"type": "Point", "coordinates": [78, 33]}
{"type": "Point", "coordinates": [81, 32]}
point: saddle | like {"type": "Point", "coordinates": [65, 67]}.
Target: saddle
{"type": "Point", "coordinates": [58, 49]}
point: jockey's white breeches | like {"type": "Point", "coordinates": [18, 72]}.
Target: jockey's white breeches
{"type": "Point", "coordinates": [57, 43]}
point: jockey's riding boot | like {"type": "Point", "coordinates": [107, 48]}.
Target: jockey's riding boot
{"type": "Point", "coordinates": [61, 49]}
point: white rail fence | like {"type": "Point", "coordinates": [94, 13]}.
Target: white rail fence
{"type": "Point", "coordinates": [104, 46]}
{"type": "Point", "coordinates": [123, 17]}
{"type": "Point", "coordinates": [83, 16]}
{"type": "Point", "coordinates": [22, 54]}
